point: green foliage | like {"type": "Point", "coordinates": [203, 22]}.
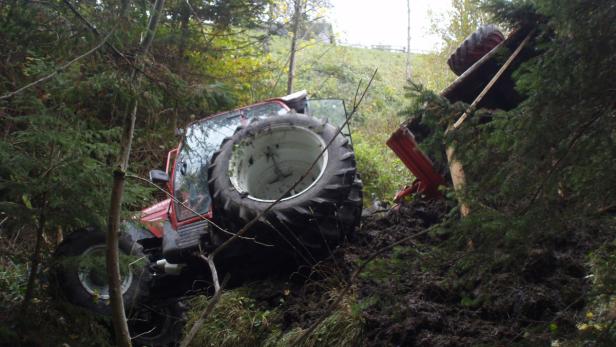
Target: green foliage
{"type": "Point", "coordinates": [596, 326]}
{"type": "Point", "coordinates": [382, 172]}
{"type": "Point", "coordinates": [241, 320]}
{"type": "Point", "coordinates": [237, 320]}
{"type": "Point", "coordinates": [341, 328]}
{"type": "Point", "coordinates": [538, 161]}
{"type": "Point", "coordinates": [60, 137]}
{"type": "Point", "coordinates": [13, 278]}
{"type": "Point", "coordinates": [464, 17]}
{"type": "Point", "coordinates": [544, 161]}
{"type": "Point", "coordinates": [540, 176]}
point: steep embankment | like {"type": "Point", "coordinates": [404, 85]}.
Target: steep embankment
{"type": "Point", "coordinates": [420, 292]}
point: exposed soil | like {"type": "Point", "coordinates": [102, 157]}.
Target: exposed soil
{"type": "Point", "coordinates": [424, 300]}
{"type": "Point", "coordinates": [420, 294]}
{"type": "Point", "coordinates": [429, 291]}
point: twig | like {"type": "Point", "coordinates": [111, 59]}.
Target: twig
{"type": "Point", "coordinates": [113, 48]}
{"type": "Point", "coordinates": [61, 68]}
{"type": "Point", "coordinates": [356, 273]}
{"type": "Point", "coordinates": [210, 306]}
{"type": "Point", "coordinates": [570, 146]}
{"type": "Point", "coordinates": [143, 333]}
{"type": "Point", "coordinates": [94, 30]}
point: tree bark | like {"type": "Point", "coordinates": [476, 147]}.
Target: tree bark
{"type": "Point", "coordinates": [36, 260]}
{"type": "Point", "coordinates": [297, 15]}
{"type": "Point", "coordinates": [184, 21]}
{"type": "Point", "coordinates": [408, 40]}
{"type": "Point", "coordinates": [458, 178]}
{"type": "Point", "coordinates": [120, 325]}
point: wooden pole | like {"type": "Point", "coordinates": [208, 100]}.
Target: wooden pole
{"type": "Point", "coordinates": [458, 178]}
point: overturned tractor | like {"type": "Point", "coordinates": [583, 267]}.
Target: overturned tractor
{"type": "Point", "coordinates": [283, 169]}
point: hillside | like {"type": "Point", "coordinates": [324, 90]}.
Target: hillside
{"type": "Point", "coordinates": [128, 217]}
{"type": "Point", "coordinates": [322, 74]}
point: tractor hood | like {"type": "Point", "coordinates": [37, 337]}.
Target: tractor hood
{"type": "Point", "coordinates": [154, 216]}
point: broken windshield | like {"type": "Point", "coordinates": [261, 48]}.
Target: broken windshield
{"type": "Point", "coordinates": [202, 138]}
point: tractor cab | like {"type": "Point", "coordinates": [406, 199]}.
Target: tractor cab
{"type": "Point", "coordinates": [186, 174]}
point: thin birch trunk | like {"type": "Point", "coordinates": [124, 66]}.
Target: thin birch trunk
{"type": "Point", "coordinates": [408, 40]}
{"type": "Point", "coordinates": [297, 15]}
{"type": "Point", "coordinates": [120, 325]}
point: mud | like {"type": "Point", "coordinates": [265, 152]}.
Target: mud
{"type": "Point", "coordinates": [422, 301]}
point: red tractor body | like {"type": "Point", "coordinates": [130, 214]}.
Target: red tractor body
{"type": "Point", "coordinates": [155, 216]}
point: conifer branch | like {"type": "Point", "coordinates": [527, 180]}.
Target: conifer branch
{"type": "Point", "coordinates": [59, 69]}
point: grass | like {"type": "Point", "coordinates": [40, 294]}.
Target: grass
{"type": "Point", "coordinates": [240, 319]}
{"type": "Point", "coordinates": [330, 71]}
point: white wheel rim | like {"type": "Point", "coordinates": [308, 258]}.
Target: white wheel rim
{"type": "Point", "coordinates": [264, 166]}
{"type": "Point", "coordinates": [96, 286]}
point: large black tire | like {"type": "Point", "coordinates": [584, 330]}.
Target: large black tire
{"type": "Point", "coordinates": [317, 218]}
{"type": "Point", "coordinates": [80, 275]}
{"type": "Point", "coordinates": [157, 324]}
{"type": "Point", "coordinates": [349, 213]}
{"type": "Point", "coordinates": [474, 48]}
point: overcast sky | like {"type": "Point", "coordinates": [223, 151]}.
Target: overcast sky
{"type": "Point", "coordinates": [384, 22]}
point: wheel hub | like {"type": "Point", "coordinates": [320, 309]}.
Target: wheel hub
{"type": "Point", "coordinates": [266, 165]}
{"type": "Point", "coordinates": [93, 276]}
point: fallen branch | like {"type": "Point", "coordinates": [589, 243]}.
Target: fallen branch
{"type": "Point", "coordinates": [210, 306]}
{"type": "Point", "coordinates": [493, 81]}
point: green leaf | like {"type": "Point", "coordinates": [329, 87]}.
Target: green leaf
{"type": "Point", "coordinates": [26, 199]}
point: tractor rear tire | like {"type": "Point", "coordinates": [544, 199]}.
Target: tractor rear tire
{"type": "Point", "coordinates": [474, 48]}
{"type": "Point", "coordinates": [262, 160]}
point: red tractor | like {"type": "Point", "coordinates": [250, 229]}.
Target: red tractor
{"type": "Point", "coordinates": [227, 169]}
{"type": "Point", "coordinates": [484, 82]}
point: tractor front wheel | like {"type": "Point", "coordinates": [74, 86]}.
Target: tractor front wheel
{"type": "Point", "coordinates": [81, 274]}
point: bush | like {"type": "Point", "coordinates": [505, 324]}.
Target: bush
{"type": "Point", "coordinates": [382, 172]}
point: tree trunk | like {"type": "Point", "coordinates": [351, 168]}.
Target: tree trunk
{"type": "Point", "coordinates": [458, 178]}
{"type": "Point", "coordinates": [297, 16]}
{"type": "Point", "coordinates": [36, 260]}
{"type": "Point", "coordinates": [120, 325]}
{"type": "Point", "coordinates": [184, 32]}
{"type": "Point", "coordinates": [408, 40]}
